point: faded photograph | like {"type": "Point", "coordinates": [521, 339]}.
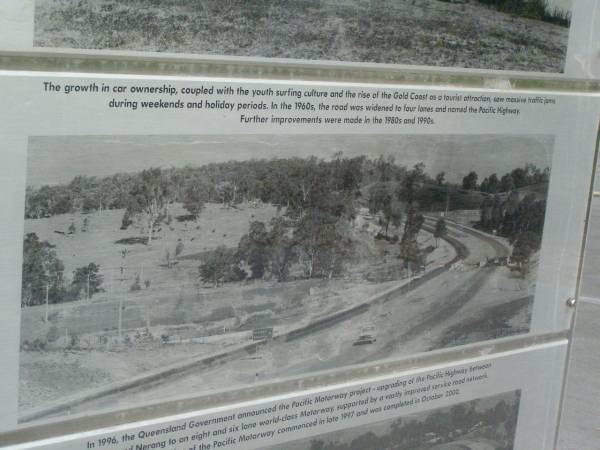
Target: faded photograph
{"type": "Point", "coordinates": [156, 267]}
{"type": "Point", "coordinates": [487, 423]}
{"type": "Point", "coordinates": [528, 35]}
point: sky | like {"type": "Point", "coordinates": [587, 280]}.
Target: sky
{"type": "Point", "coordinates": [58, 159]}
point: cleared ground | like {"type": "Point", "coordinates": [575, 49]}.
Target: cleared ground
{"type": "Point", "coordinates": [404, 324]}
{"type": "Point", "coordinates": [177, 317]}
{"type": "Point", "coordinates": [423, 32]}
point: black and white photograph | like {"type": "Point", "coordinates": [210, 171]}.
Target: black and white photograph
{"type": "Point", "coordinates": [522, 35]}
{"type": "Point", "coordinates": [487, 423]}
{"type": "Point", "coordinates": [156, 267]}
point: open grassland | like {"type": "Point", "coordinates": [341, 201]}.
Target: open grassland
{"type": "Point", "coordinates": [176, 316]}
{"type": "Point", "coordinates": [423, 32]}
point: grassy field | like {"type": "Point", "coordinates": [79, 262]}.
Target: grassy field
{"type": "Point", "coordinates": [177, 316]}
{"type": "Point", "coordinates": [422, 32]}
{"type": "Point", "coordinates": [217, 225]}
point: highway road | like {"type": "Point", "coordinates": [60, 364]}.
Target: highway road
{"type": "Point", "coordinates": [413, 321]}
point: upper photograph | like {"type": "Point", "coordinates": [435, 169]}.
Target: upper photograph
{"type": "Point", "coordinates": [521, 35]}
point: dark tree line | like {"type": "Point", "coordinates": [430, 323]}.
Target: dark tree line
{"type": "Point", "coordinates": [43, 276]}
{"type": "Point", "coordinates": [400, 193]}
{"type": "Point", "coordinates": [496, 423]}
{"type": "Point", "coordinates": [514, 212]}
{"type": "Point", "coordinates": [518, 178]}
{"type": "Point", "coordinates": [287, 182]}
{"type": "Point", "coordinates": [315, 231]}
{"type": "Point", "coordinates": [43, 273]}
{"type": "Point", "coordinates": [521, 220]}
{"type": "Point", "coordinates": [319, 199]}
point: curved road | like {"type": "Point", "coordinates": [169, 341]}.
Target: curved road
{"type": "Point", "coordinates": [407, 323]}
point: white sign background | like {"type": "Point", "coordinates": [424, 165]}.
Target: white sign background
{"type": "Point", "coordinates": [29, 111]}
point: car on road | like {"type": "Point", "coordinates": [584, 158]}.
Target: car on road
{"type": "Point", "coordinates": [368, 328]}
{"type": "Point", "coordinates": [365, 339]}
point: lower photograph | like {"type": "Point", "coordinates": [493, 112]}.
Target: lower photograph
{"type": "Point", "coordinates": [487, 423]}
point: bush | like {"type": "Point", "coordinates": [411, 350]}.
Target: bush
{"type": "Point", "coordinates": [87, 280]}
{"type": "Point", "coordinates": [178, 249]}
{"type": "Point", "coordinates": [53, 334]}
{"type": "Point", "coordinates": [42, 273]}
{"type": "Point", "coordinates": [221, 266]}
{"type": "Point", "coordinates": [73, 341]}
{"type": "Point", "coordinates": [126, 220]}
{"type": "Point", "coordinates": [136, 286]}
{"type": "Point", "coordinates": [38, 345]}
{"type": "Point", "coordinates": [133, 241]}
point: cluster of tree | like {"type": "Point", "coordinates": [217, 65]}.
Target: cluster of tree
{"type": "Point", "coordinates": [409, 248]}
{"type": "Point", "coordinates": [514, 214]}
{"type": "Point", "coordinates": [521, 220]}
{"type": "Point", "coordinates": [43, 273]}
{"type": "Point", "coordinates": [532, 9]}
{"type": "Point", "coordinates": [406, 193]}
{"type": "Point", "coordinates": [84, 194]}
{"type": "Point", "coordinates": [221, 266]}
{"type": "Point", "coordinates": [262, 253]}
{"type": "Point", "coordinates": [320, 202]}
{"type": "Point", "coordinates": [496, 423]}
{"type": "Point", "coordinates": [389, 183]}
{"type": "Point", "coordinates": [440, 230]}
{"type": "Point", "coordinates": [43, 279]}
{"type": "Point", "coordinates": [268, 252]}
{"type": "Point", "coordinates": [284, 181]}
{"type": "Point", "coordinates": [382, 199]}
{"type": "Point", "coordinates": [317, 238]}
{"type": "Point", "coordinates": [530, 175]}
{"type": "Point", "coordinates": [315, 232]}
{"type": "Point", "coordinates": [320, 198]}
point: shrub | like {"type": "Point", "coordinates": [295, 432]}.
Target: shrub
{"type": "Point", "coordinates": [126, 220]}
{"type": "Point", "coordinates": [178, 249]}
{"type": "Point", "coordinates": [136, 286]}
{"type": "Point", "coordinates": [221, 266]}
{"type": "Point", "coordinates": [87, 280]}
